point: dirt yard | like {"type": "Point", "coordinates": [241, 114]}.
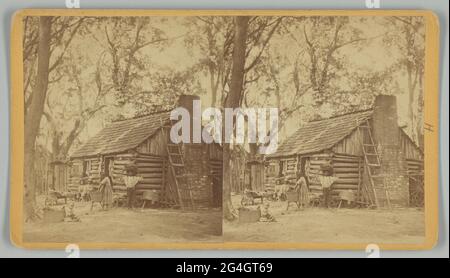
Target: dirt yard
{"type": "Point", "coordinates": [123, 225]}
{"type": "Point", "coordinates": [330, 226]}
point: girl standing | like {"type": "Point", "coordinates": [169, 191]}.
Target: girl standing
{"type": "Point", "coordinates": [106, 190]}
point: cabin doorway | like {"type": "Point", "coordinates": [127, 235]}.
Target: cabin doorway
{"type": "Point", "coordinates": [301, 170]}
{"type": "Point", "coordinates": [257, 176]}
{"type": "Point", "coordinates": [107, 166]}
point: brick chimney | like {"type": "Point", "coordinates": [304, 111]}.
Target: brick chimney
{"type": "Point", "coordinates": [386, 133]}
{"type": "Point", "coordinates": [196, 158]}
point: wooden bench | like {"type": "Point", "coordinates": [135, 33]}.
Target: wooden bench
{"type": "Point", "coordinates": [152, 196]}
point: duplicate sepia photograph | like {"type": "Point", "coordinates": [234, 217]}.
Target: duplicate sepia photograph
{"type": "Point", "coordinates": [223, 128]}
{"type": "Point", "coordinates": [99, 163]}
{"type": "Point", "coordinates": [349, 165]}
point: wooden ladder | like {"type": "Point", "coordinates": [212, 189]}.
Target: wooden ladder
{"type": "Point", "coordinates": [183, 189]}
{"type": "Point", "coordinates": [372, 165]}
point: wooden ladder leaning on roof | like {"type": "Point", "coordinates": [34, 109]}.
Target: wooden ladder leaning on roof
{"type": "Point", "coordinates": [178, 170]}
{"type": "Point", "coordinates": [372, 163]}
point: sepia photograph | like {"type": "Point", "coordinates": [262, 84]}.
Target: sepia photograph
{"type": "Point", "coordinates": [216, 128]}
{"type": "Point", "coordinates": [99, 163]}
{"type": "Point", "coordinates": [349, 164]}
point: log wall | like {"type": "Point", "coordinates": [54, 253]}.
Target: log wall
{"type": "Point", "coordinates": [117, 170]}
{"type": "Point", "coordinates": [271, 171]}
{"type": "Point", "coordinates": [348, 168]}
{"type": "Point", "coordinates": [152, 169]}
{"type": "Point", "coordinates": [150, 159]}
{"type": "Point", "coordinates": [415, 167]}
{"type": "Point", "coordinates": [313, 168]}
{"type": "Point", "coordinates": [286, 166]}
{"type": "Point", "coordinates": [410, 150]}
{"type": "Point", "coordinates": [76, 174]}
{"type": "Point", "coordinates": [94, 172]}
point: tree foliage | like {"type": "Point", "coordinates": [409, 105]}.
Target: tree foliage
{"type": "Point", "coordinates": [81, 73]}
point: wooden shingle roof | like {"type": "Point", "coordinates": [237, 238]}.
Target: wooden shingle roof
{"type": "Point", "coordinates": [319, 135]}
{"type": "Point", "coordinates": [123, 135]}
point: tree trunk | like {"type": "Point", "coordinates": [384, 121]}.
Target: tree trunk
{"type": "Point", "coordinates": [35, 111]}
{"type": "Point", "coordinates": [228, 211]}
{"type": "Point", "coordinates": [233, 101]}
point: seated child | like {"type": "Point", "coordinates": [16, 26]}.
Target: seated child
{"type": "Point", "coordinates": [265, 214]}
{"type": "Point", "coordinates": [69, 214]}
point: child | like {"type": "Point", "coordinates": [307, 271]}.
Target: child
{"type": "Point", "coordinates": [107, 192]}
{"type": "Point", "coordinates": [327, 179]}
{"type": "Point", "coordinates": [265, 214]}
{"type": "Point", "coordinates": [130, 180]}
{"type": "Point", "coordinates": [303, 198]}
{"type": "Point", "coordinates": [69, 215]}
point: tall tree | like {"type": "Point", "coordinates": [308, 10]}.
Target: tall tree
{"type": "Point", "coordinates": [213, 37]}
{"type": "Point", "coordinates": [407, 34]}
{"type": "Point", "coordinates": [233, 101]}
{"type": "Point", "coordinates": [319, 68]}
{"type": "Point", "coordinates": [125, 38]}
{"type": "Point", "coordinates": [74, 105]}
{"type": "Point", "coordinates": [46, 40]}
{"type": "Point", "coordinates": [324, 37]}
{"type": "Point", "coordinates": [36, 109]}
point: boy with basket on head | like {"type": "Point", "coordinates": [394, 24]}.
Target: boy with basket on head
{"type": "Point", "coordinates": [130, 180]}
{"type": "Point", "coordinates": [327, 179]}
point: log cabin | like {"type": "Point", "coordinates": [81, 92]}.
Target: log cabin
{"type": "Point", "coordinates": [182, 175]}
{"type": "Point", "coordinates": [371, 155]}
